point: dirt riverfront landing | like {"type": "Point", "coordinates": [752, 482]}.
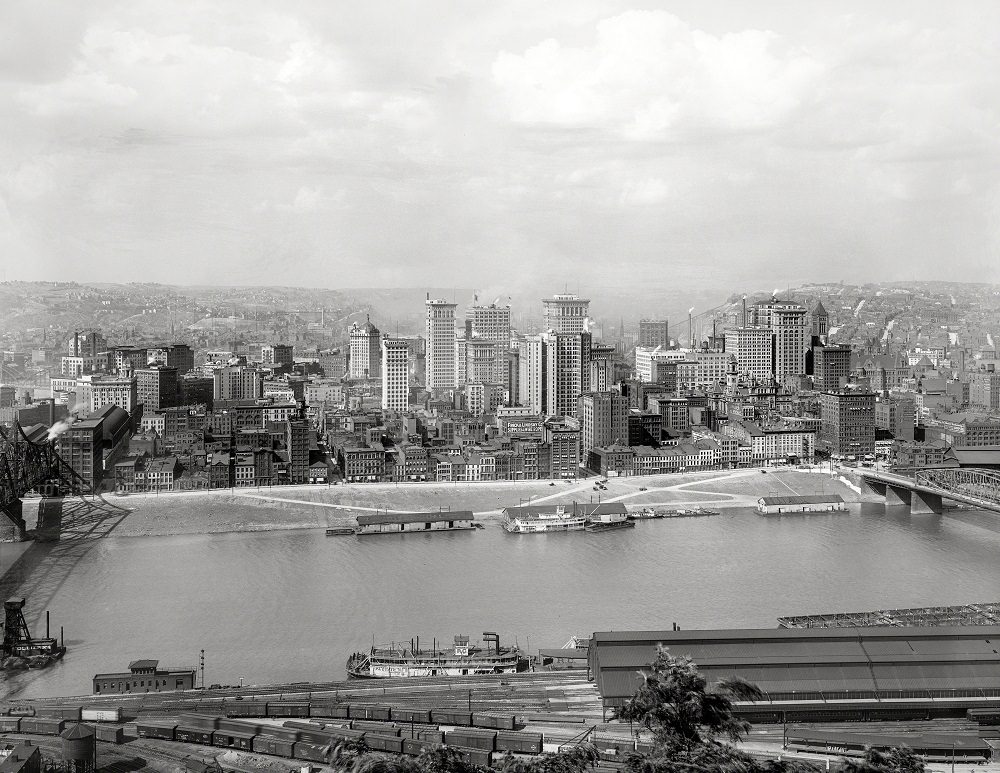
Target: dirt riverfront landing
{"type": "Point", "coordinates": [315, 507]}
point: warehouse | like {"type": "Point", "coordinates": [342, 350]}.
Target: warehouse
{"type": "Point", "coordinates": [394, 523]}
{"type": "Point", "coordinates": [816, 666]}
{"type": "Point", "coordinates": [809, 503]}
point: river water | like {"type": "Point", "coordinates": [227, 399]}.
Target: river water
{"type": "Point", "coordinates": [291, 605]}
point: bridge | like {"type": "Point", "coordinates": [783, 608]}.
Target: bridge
{"type": "Point", "coordinates": [28, 465]}
{"type": "Point", "coordinates": [927, 488]}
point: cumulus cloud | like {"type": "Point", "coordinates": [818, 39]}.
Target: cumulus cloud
{"type": "Point", "coordinates": [648, 74]}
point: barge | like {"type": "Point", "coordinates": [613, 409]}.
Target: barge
{"type": "Point", "coordinates": [609, 522]}
{"type": "Point", "coordinates": [405, 659]}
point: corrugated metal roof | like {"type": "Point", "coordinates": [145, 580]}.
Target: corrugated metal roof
{"type": "Point", "coordinates": [435, 517]}
{"type": "Point", "coordinates": [806, 499]}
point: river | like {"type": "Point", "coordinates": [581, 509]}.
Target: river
{"type": "Point", "coordinates": [291, 605]}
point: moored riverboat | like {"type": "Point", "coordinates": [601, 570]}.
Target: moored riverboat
{"type": "Point", "coordinates": [405, 659]}
{"type": "Point", "coordinates": [534, 519]}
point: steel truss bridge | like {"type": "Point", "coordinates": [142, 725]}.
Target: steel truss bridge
{"type": "Point", "coordinates": [27, 466]}
{"type": "Point", "coordinates": [924, 491]}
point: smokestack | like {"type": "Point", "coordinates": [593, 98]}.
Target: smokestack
{"type": "Point", "coordinates": [76, 344]}
{"type": "Point", "coordinates": [691, 326]}
{"type": "Point", "coordinates": [744, 322]}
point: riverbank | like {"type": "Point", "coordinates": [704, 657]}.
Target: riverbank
{"type": "Point", "coordinates": [318, 507]}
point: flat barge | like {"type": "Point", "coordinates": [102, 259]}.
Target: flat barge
{"type": "Point", "coordinates": [462, 659]}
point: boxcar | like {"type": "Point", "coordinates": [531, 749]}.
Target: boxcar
{"type": "Point", "coordinates": [287, 709]}
{"type": "Point", "coordinates": [384, 728]}
{"type": "Point", "coordinates": [10, 724]}
{"type": "Point", "coordinates": [95, 714]}
{"type": "Point", "coordinates": [493, 721]}
{"type": "Point", "coordinates": [109, 733]}
{"type": "Point", "coordinates": [281, 733]}
{"type": "Point", "coordinates": [298, 724]}
{"type": "Point", "coordinates": [344, 734]}
{"type": "Point", "coordinates": [59, 712]}
{"type": "Point", "coordinates": [194, 734]}
{"type": "Point", "coordinates": [42, 725]}
{"type": "Point", "coordinates": [309, 751]}
{"type": "Point", "coordinates": [435, 737]}
{"type": "Point", "coordinates": [469, 738]}
{"type": "Point", "coordinates": [240, 725]}
{"type": "Point", "coordinates": [164, 730]}
{"type": "Point", "coordinates": [476, 756]}
{"type": "Point", "coordinates": [206, 721]}
{"type": "Point", "coordinates": [331, 710]}
{"type": "Point", "coordinates": [984, 716]}
{"type": "Point", "coordinates": [279, 747]}
{"type": "Point", "coordinates": [369, 711]}
{"type": "Point", "coordinates": [245, 709]}
{"type": "Point", "coordinates": [411, 715]}
{"type": "Point", "coordinates": [232, 740]}
{"type": "Point", "coordinates": [519, 742]}
{"type": "Point", "coordinates": [415, 748]}
{"type": "Point", "coordinates": [384, 743]}
{"type": "Point", "coordinates": [449, 717]}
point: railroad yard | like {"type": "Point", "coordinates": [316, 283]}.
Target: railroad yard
{"type": "Point", "coordinates": [556, 709]}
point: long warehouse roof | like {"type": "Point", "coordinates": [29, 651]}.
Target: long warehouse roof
{"type": "Point", "coordinates": [823, 660]}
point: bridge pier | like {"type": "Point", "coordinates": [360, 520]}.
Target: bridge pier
{"type": "Point", "coordinates": [923, 503]}
{"type": "Point", "coordinates": [13, 527]}
{"type": "Point", "coordinates": [898, 495]}
{"type": "Point", "coordinates": [876, 487]}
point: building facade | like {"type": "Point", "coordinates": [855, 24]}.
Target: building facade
{"type": "Point", "coordinates": [395, 375]}
{"type": "Point", "coordinates": [442, 345]}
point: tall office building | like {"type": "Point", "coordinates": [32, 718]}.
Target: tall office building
{"type": "Point", "coordinates": [110, 390]}
{"type": "Point", "coordinates": [395, 374]}
{"type": "Point", "coordinates": [602, 367]}
{"type": "Point", "coordinates": [156, 387]}
{"type": "Point", "coordinates": [847, 422]}
{"type": "Point", "coordinates": [237, 382]}
{"type": "Point", "coordinates": [791, 339]}
{"type": "Point", "coordinates": [481, 366]}
{"type": "Point", "coordinates": [276, 354]}
{"type": "Point", "coordinates": [491, 323]}
{"type": "Point", "coordinates": [568, 372]}
{"type": "Point", "coordinates": [532, 373]}
{"type": "Point", "coordinates": [654, 332]}
{"type": "Point", "coordinates": [603, 421]}
{"type": "Point", "coordinates": [366, 351]}
{"type": "Point", "coordinates": [753, 348]}
{"type": "Point", "coordinates": [178, 356]}
{"type": "Point", "coordinates": [442, 346]}
{"type": "Point", "coordinates": [565, 313]}
{"type": "Point", "coordinates": [831, 367]}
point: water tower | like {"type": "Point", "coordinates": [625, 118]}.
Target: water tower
{"type": "Point", "coordinates": [80, 748]}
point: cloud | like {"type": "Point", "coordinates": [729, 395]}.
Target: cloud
{"type": "Point", "coordinates": [650, 75]}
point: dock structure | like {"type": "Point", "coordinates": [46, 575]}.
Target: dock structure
{"type": "Point", "coordinates": [964, 614]}
{"type": "Point", "coordinates": [400, 523]}
{"type": "Point", "coordinates": [808, 503]}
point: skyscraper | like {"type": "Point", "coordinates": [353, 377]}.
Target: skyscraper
{"type": "Point", "coordinates": [442, 345]}
{"type": "Point", "coordinates": [567, 372]}
{"type": "Point", "coordinates": [566, 313]}
{"type": "Point", "coordinates": [532, 373]}
{"type": "Point", "coordinates": [237, 382]}
{"type": "Point", "coordinates": [395, 374]}
{"type": "Point", "coordinates": [366, 351]}
{"type": "Point", "coordinates": [654, 332]}
{"type": "Point", "coordinates": [156, 387]}
{"type": "Point", "coordinates": [491, 323]}
{"type": "Point", "coordinates": [603, 420]}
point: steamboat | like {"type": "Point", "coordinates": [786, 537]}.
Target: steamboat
{"type": "Point", "coordinates": [402, 659]}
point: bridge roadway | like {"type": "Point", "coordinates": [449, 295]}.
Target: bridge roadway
{"type": "Point", "coordinates": [929, 496]}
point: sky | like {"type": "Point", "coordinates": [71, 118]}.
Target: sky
{"type": "Point", "coordinates": [500, 145]}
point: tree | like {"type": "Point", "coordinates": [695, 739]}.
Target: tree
{"type": "Point", "coordinates": [897, 760]}
{"type": "Point", "coordinates": [675, 704]}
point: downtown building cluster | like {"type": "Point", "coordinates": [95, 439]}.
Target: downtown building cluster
{"type": "Point", "coordinates": [469, 397]}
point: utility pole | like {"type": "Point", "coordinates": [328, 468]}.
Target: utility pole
{"type": "Point", "coordinates": [202, 667]}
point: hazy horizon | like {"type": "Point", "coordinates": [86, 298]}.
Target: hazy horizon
{"type": "Point", "coordinates": [603, 143]}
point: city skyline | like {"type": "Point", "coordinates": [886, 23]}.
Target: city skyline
{"type": "Point", "coordinates": [775, 143]}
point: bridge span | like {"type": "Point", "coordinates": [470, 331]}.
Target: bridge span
{"type": "Point", "coordinates": [924, 492]}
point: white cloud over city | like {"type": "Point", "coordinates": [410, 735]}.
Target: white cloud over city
{"type": "Point", "coordinates": [386, 143]}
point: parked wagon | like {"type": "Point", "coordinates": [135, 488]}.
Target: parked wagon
{"type": "Point", "coordinates": [59, 712]}
{"type": "Point", "coordinates": [494, 721]}
{"type": "Point", "coordinates": [411, 715]}
{"type": "Point", "coordinates": [42, 725]}
{"type": "Point", "coordinates": [383, 728]}
{"type": "Point", "coordinates": [331, 710]}
{"type": "Point", "coordinates": [476, 756]}
{"type": "Point", "coordinates": [472, 738]}
{"type": "Point", "coordinates": [310, 752]}
{"type": "Point", "coordinates": [10, 724]}
{"type": "Point", "coordinates": [416, 748]}
{"type": "Point", "coordinates": [109, 734]}
{"type": "Point", "coordinates": [245, 709]}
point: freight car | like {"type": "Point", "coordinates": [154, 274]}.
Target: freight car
{"type": "Point", "coordinates": [984, 716]}
{"type": "Point", "coordinates": [936, 748]}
